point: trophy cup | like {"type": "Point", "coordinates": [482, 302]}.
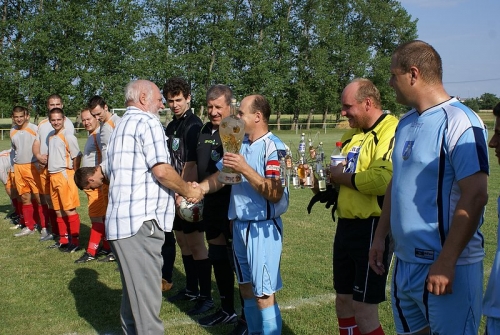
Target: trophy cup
{"type": "Point", "coordinates": [231, 131]}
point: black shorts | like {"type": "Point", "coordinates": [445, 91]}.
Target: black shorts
{"type": "Point", "coordinates": [215, 227]}
{"type": "Point", "coordinates": [188, 227]}
{"type": "Point", "coordinates": [351, 271]}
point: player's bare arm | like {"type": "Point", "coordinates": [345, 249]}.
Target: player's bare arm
{"type": "Point", "coordinates": [269, 188]}
{"type": "Point", "coordinates": [384, 226]}
{"type": "Point", "coordinates": [168, 177]}
{"type": "Point", "coordinates": [474, 196]}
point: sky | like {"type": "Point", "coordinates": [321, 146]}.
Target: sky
{"type": "Point", "coordinates": [466, 33]}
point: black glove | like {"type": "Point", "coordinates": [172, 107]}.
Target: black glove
{"type": "Point", "coordinates": [328, 197]}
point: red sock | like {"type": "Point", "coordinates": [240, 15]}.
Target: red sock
{"type": "Point", "coordinates": [378, 331]}
{"type": "Point", "coordinates": [53, 221]}
{"type": "Point", "coordinates": [20, 212]}
{"type": "Point", "coordinates": [46, 221]}
{"type": "Point", "coordinates": [28, 216]}
{"type": "Point", "coordinates": [41, 215]}
{"type": "Point", "coordinates": [36, 217]}
{"type": "Point", "coordinates": [96, 234]}
{"type": "Point", "coordinates": [15, 204]}
{"type": "Point", "coordinates": [348, 326]}
{"type": "Point", "coordinates": [105, 243]}
{"type": "Point", "coordinates": [62, 230]}
{"type": "Point", "coordinates": [74, 228]}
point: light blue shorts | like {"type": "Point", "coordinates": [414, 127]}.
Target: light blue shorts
{"type": "Point", "coordinates": [257, 253]}
{"type": "Point", "coordinates": [492, 326]}
{"type": "Point", "coordinates": [414, 308]}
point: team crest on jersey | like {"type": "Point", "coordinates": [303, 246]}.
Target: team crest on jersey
{"type": "Point", "coordinates": [175, 144]}
{"type": "Point", "coordinates": [215, 155]}
{"type": "Point", "coordinates": [281, 154]}
{"type": "Point", "coordinates": [352, 160]}
{"type": "Point", "coordinates": [407, 149]}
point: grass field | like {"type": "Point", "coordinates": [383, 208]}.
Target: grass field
{"type": "Point", "coordinates": [44, 292]}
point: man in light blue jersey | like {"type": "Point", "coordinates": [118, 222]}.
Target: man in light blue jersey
{"type": "Point", "coordinates": [435, 203]}
{"type": "Point", "coordinates": [256, 205]}
{"type": "Point", "coordinates": [491, 301]}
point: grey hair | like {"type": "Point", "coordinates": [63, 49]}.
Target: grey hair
{"type": "Point", "coordinates": [134, 89]}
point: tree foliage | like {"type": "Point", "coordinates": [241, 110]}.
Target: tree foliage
{"type": "Point", "coordinates": [298, 53]}
{"type": "Point", "coordinates": [485, 102]}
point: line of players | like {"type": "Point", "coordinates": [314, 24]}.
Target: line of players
{"type": "Point", "coordinates": [38, 174]}
{"type": "Point", "coordinates": [52, 152]}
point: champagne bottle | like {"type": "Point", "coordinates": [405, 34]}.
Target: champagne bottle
{"type": "Point", "coordinates": [320, 158]}
{"type": "Point", "coordinates": [295, 178]}
{"type": "Point", "coordinates": [321, 181]}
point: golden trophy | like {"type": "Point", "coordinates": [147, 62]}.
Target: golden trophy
{"type": "Point", "coordinates": [231, 131]}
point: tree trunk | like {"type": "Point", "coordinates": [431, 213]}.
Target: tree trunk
{"type": "Point", "coordinates": [325, 117]}
{"type": "Point", "coordinates": [309, 117]}
{"type": "Point", "coordinates": [278, 120]}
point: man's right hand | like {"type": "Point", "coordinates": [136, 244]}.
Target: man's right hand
{"type": "Point", "coordinates": [376, 255]}
{"type": "Point", "coordinates": [194, 194]}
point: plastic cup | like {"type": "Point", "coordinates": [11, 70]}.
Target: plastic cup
{"type": "Point", "coordinates": [336, 160]}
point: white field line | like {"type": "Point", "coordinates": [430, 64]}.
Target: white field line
{"type": "Point", "coordinates": [317, 300]}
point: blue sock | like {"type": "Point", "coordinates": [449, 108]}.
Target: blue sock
{"type": "Point", "coordinates": [253, 317]}
{"type": "Point", "coordinates": [272, 321]}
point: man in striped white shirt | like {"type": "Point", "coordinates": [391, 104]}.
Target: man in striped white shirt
{"type": "Point", "coordinates": [141, 205]}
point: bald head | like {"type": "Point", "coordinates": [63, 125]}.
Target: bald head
{"type": "Point", "coordinates": [144, 95]}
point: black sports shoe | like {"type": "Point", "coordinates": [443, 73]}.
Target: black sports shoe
{"type": "Point", "coordinates": [109, 258]}
{"type": "Point", "coordinates": [102, 252]}
{"type": "Point", "coordinates": [183, 295]}
{"type": "Point", "coordinates": [202, 305]}
{"type": "Point", "coordinates": [55, 246]}
{"type": "Point", "coordinates": [240, 329]}
{"type": "Point", "coordinates": [218, 318]}
{"type": "Point", "coordinates": [70, 248]}
{"type": "Point", "coordinates": [86, 257]}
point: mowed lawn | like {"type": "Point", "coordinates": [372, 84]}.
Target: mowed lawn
{"type": "Point", "coordinates": [44, 292]}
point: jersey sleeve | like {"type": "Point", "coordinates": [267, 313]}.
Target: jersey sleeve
{"type": "Point", "coordinates": [376, 177]}
{"type": "Point", "coordinates": [192, 141]}
{"type": "Point", "coordinates": [73, 146]}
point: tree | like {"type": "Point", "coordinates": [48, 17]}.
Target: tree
{"type": "Point", "coordinates": [300, 54]}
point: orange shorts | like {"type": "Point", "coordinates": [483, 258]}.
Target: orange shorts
{"type": "Point", "coordinates": [11, 182]}
{"type": "Point", "coordinates": [98, 201]}
{"type": "Point", "coordinates": [27, 178]}
{"type": "Point", "coordinates": [63, 190]}
{"type": "Point", "coordinates": [44, 181]}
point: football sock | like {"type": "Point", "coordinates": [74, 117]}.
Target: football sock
{"type": "Point", "coordinates": [15, 204]}
{"type": "Point", "coordinates": [168, 253]}
{"type": "Point", "coordinates": [378, 331]}
{"type": "Point", "coordinates": [20, 212]}
{"type": "Point", "coordinates": [105, 243]}
{"type": "Point", "coordinates": [348, 326]}
{"type": "Point", "coordinates": [74, 228]}
{"type": "Point", "coordinates": [191, 274]}
{"type": "Point", "coordinates": [224, 277]}
{"type": "Point", "coordinates": [28, 216]}
{"type": "Point", "coordinates": [96, 234]}
{"type": "Point", "coordinates": [46, 216]}
{"type": "Point", "coordinates": [62, 230]}
{"type": "Point", "coordinates": [271, 320]}
{"type": "Point", "coordinates": [204, 274]}
{"type": "Point", "coordinates": [253, 316]}
{"type": "Point", "coordinates": [53, 221]}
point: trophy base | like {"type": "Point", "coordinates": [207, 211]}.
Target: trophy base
{"type": "Point", "coordinates": [229, 178]}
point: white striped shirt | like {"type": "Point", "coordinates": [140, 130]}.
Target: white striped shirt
{"type": "Point", "coordinates": [136, 145]}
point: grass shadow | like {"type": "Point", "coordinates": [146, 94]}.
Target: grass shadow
{"type": "Point", "coordinates": [95, 302]}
